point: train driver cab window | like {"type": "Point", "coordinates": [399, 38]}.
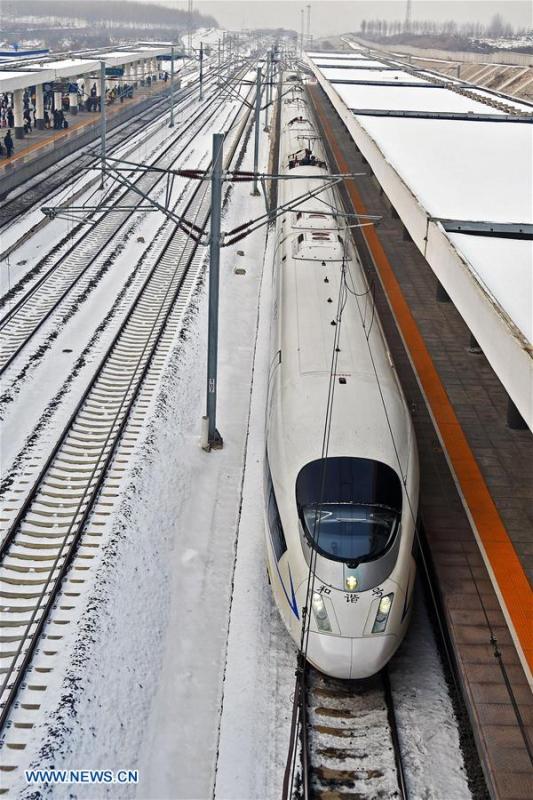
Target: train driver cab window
{"type": "Point", "coordinates": [349, 508]}
{"type": "Point", "coordinates": [274, 521]}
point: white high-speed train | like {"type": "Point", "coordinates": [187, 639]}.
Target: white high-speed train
{"type": "Point", "coordinates": [341, 496]}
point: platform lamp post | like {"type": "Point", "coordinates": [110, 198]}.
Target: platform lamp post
{"type": "Point", "coordinates": [171, 121]}
{"type": "Point", "coordinates": [211, 437]}
{"type": "Point", "coordinates": [102, 121]}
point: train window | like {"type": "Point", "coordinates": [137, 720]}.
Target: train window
{"type": "Point", "coordinates": [274, 520]}
{"type": "Point", "coordinates": [349, 507]}
{"type": "Point", "coordinates": [300, 237]}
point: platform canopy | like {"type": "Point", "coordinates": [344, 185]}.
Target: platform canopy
{"type": "Point", "coordinates": [456, 162]}
{"type": "Point", "coordinates": [13, 77]}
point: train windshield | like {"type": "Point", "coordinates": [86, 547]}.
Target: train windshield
{"type": "Point", "coordinates": [349, 508]}
{"type": "Point", "coordinates": [350, 532]}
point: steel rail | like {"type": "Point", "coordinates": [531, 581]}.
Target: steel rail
{"type": "Point", "coordinates": [17, 331]}
{"type": "Point", "coordinates": [18, 203]}
{"type": "Point", "coordinates": [124, 340]}
{"type": "Point", "coordinates": [304, 777]}
{"type": "Point", "coordinates": [393, 723]}
{"type": "Point", "coordinates": [311, 773]}
{"type": "Point", "coordinates": [14, 205]}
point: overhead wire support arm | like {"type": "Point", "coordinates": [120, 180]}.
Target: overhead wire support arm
{"type": "Point", "coordinates": [187, 227]}
{"type": "Point", "coordinates": [290, 205]}
{"type": "Point", "coordinates": [182, 223]}
{"type": "Point", "coordinates": [132, 166]}
{"type": "Point", "coordinates": [230, 87]}
{"type": "Point", "coordinates": [247, 228]}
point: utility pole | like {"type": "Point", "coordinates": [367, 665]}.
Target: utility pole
{"type": "Point", "coordinates": [255, 190]}
{"type": "Point", "coordinates": [214, 438]}
{"type": "Point", "coordinates": [201, 70]}
{"type": "Point", "coordinates": [171, 123]}
{"type": "Point", "coordinates": [408, 11]}
{"type": "Point", "coordinates": [309, 26]}
{"type": "Point", "coordinates": [301, 32]}
{"type": "Point", "coordinates": [102, 120]}
{"type": "Point", "coordinates": [267, 81]}
{"type": "Point", "coordinates": [189, 26]}
{"type": "Point", "coordinates": [268, 74]}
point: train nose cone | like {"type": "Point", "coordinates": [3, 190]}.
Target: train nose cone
{"type": "Point", "coordinates": [371, 653]}
{"type": "Point", "coordinates": [332, 655]}
{"type": "Point", "coordinates": [350, 659]}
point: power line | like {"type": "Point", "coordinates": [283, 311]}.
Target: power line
{"type": "Point", "coordinates": [408, 13]}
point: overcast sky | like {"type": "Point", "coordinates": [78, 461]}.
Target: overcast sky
{"type": "Point", "coordinates": [341, 16]}
{"type": "Point", "coordinates": [338, 16]}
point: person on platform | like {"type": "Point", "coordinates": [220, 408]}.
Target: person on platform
{"type": "Point", "coordinates": [10, 117]}
{"type": "Point", "coordinates": [8, 141]}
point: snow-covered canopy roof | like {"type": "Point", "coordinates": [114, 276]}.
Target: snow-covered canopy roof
{"type": "Point", "coordinates": [461, 155]}
{"type": "Point", "coordinates": [45, 70]}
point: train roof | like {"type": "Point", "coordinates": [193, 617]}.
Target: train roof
{"type": "Point", "coordinates": [317, 259]}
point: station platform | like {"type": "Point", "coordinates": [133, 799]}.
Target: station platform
{"type": "Point", "coordinates": [476, 500]}
{"type": "Point", "coordinates": [42, 148]}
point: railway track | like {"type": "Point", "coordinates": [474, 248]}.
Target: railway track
{"type": "Point", "coordinates": [347, 738]}
{"type": "Point", "coordinates": [55, 535]}
{"type": "Point", "coordinates": [26, 316]}
{"type": "Point", "coordinates": [19, 201]}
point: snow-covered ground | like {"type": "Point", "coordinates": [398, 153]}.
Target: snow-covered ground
{"type": "Point", "coordinates": [180, 666]}
{"type": "Point", "coordinates": [29, 406]}
{"type": "Point", "coordinates": [208, 36]}
{"type": "Point", "coordinates": [506, 42]}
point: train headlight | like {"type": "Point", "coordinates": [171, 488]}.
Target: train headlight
{"type": "Point", "coordinates": [351, 583]}
{"type": "Point", "coordinates": [382, 616]}
{"type": "Point", "coordinates": [321, 613]}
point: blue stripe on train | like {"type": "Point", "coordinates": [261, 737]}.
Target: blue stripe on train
{"type": "Point", "coordinates": [292, 599]}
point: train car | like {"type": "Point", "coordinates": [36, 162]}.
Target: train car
{"type": "Point", "coordinates": [341, 465]}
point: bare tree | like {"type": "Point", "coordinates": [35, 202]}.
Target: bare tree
{"type": "Point", "coordinates": [496, 27]}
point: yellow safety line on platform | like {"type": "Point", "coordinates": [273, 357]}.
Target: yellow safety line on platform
{"type": "Point", "coordinates": [73, 128]}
